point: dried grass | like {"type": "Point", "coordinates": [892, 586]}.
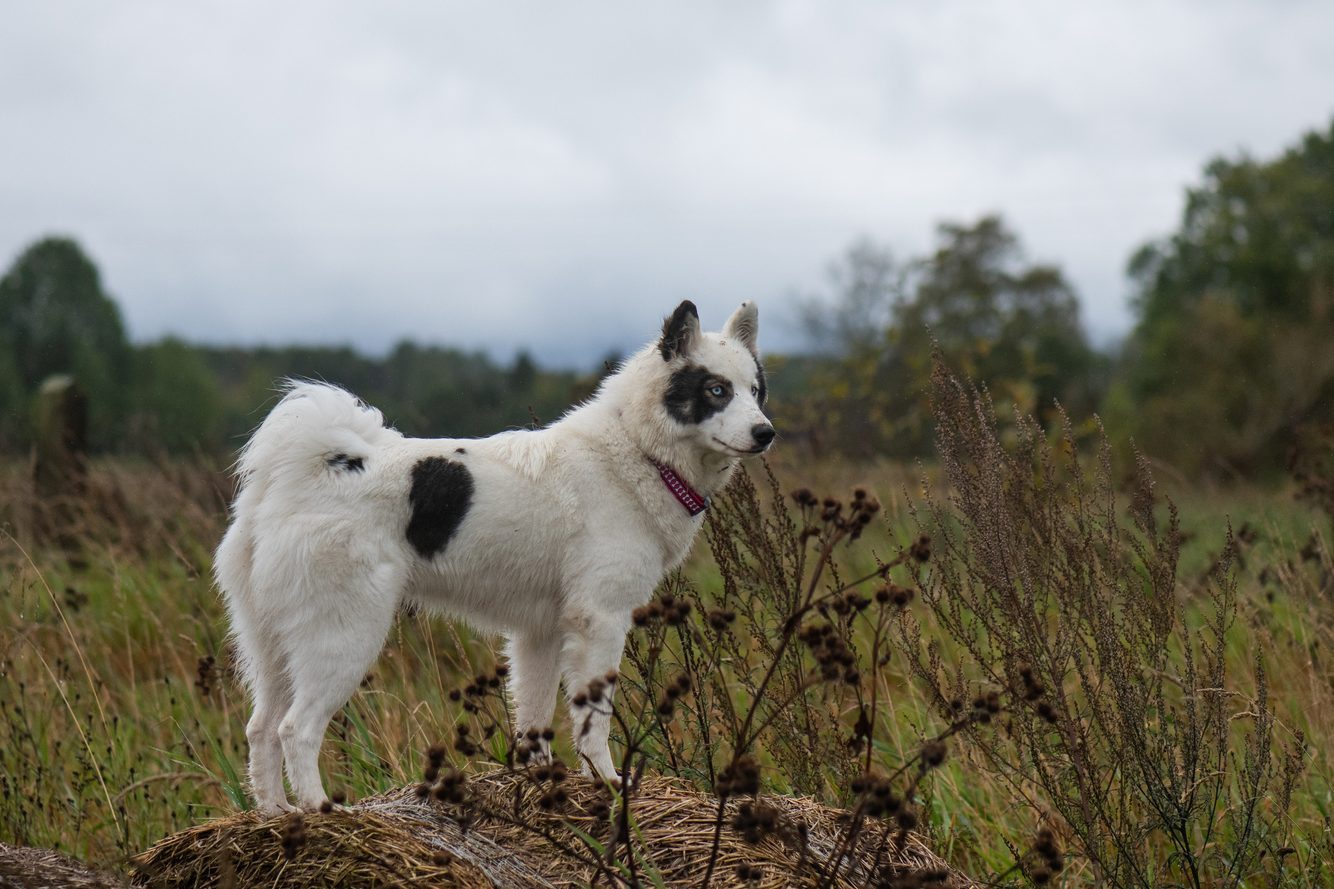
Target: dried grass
{"type": "Point", "coordinates": [398, 838]}
{"type": "Point", "coordinates": [41, 868]}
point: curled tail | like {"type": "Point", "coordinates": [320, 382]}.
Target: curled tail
{"type": "Point", "coordinates": [315, 425]}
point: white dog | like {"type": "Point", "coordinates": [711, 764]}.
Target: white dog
{"type": "Point", "coordinates": [552, 537]}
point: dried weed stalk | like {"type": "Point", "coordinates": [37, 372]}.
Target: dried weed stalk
{"type": "Point", "coordinates": [1144, 749]}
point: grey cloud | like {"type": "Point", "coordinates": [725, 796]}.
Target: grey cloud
{"type": "Point", "coordinates": [480, 174]}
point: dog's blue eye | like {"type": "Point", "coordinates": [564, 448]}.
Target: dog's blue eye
{"type": "Point", "coordinates": [716, 391]}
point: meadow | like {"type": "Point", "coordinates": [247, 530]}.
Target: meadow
{"type": "Point", "coordinates": [1027, 641]}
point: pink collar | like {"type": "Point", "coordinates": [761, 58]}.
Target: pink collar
{"type": "Point", "coordinates": [692, 500]}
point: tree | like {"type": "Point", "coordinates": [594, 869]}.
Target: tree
{"type": "Point", "coordinates": [1235, 316]}
{"type": "Point", "coordinates": [55, 318]}
{"type": "Point", "coordinates": [1003, 322]}
{"type": "Point", "coordinates": [1010, 324]}
{"type": "Point", "coordinates": [177, 405]}
{"type": "Point", "coordinates": [13, 402]}
{"type": "Point", "coordinates": [866, 283]}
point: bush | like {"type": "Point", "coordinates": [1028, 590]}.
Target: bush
{"type": "Point", "coordinates": [1154, 758]}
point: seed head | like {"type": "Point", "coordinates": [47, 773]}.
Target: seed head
{"type": "Point", "coordinates": [803, 497]}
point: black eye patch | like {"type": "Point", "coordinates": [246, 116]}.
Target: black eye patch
{"type": "Point", "coordinates": [693, 394]}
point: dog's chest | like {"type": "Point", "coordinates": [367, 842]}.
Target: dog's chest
{"type": "Point", "coordinates": [674, 533]}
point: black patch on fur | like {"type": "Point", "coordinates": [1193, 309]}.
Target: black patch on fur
{"type": "Point", "coordinates": [350, 464]}
{"type": "Point", "coordinates": [688, 399]}
{"type": "Point", "coordinates": [460, 451]}
{"type": "Point", "coordinates": [440, 496]}
{"type": "Point", "coordinates": [762, 383]}
{"type": "Point", "coordinates": [674, 329]}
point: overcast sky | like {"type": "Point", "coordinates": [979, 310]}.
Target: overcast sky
{"type": "Point", "coordinates": [557, 176]}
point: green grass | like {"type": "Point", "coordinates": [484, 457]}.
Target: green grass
{"type": "Point", "coordinates": [110, 738]}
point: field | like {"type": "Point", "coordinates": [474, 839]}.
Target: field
{"type": "Point", "coordinates": [120, 721]}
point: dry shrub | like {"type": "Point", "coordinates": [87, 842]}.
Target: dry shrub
{"type": "Point", "coordinates": [774, 682]}
{"type": "Point", "coordinates": [782, 657]}
{"type": "Point", "coordinates": [1154, 760]}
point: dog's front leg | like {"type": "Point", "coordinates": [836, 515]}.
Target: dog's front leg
{"type": "Point", "coordinates": [593, 646]}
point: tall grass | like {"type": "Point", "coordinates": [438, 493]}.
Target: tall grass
{"type": "Point", "coordinates": [816, 660]}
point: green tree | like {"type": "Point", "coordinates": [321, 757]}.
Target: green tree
{"type": "Point", "coordinates": [177, 403]}
{"type": "Point", "coordinates": [1235, 316]}
{"type": "Point", "coordinates": [1003, 321]}
{"type": "Point", "coordinates": [13, 403]}
{"type": "Point", "coordinates": [55, 318]}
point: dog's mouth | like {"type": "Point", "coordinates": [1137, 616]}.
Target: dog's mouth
{"type": "Point", "coordinates": [742, 451]}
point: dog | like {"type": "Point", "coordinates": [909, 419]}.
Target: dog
{"type": "Point", "coordinates": [552, 537]}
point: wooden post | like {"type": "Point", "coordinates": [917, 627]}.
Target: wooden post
{"type": "Point", "coordinates": [60, 454]}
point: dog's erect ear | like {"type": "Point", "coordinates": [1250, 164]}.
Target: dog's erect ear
{"type": "Point", "coordinates": [744, 326]}
{"type": "Point", "coordinates": [679, 332]}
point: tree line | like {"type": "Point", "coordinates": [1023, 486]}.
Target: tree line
{"type": "Point", "coordinates": [1228, 371]}
{"type": "Point", "coordinates": [1228, 365]}
{"type": "Point", "coordinates": [173, 397]}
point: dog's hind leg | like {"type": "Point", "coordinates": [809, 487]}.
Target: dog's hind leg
{"type": "Point", "coordinates": [337, 646]}
{"type": "Point", "coordinates": [260, 664]}
{"type": "Point", "coordinates": [271, 693]}
{"type": "Point", "coordinates": [534, 660]}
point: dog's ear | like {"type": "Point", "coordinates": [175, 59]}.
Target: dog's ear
{"type": "Point", "coordinates": [679, 332]}
{"type": "Point", "coordinates": [744, 326]}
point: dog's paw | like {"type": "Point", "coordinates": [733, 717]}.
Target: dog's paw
{"type": "Point", "coordinates": [328, 806]}
{"type": "Point", "coordinates": [596, 778]}
{"type": "Point", "coordinates": [273, 809]}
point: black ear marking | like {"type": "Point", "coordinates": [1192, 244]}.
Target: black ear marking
{"type": "Point", "coordinates": [679, 331]}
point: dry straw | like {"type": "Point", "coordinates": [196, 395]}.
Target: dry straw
{"type": "Point", "coordinates": [34, 868]}
{"type": "Point", "coordinates": [399, 838]}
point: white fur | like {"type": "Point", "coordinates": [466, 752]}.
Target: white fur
{"type": "Point", "coordinates": [570, 528]}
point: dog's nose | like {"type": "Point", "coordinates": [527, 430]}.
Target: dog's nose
{"type": "Point", "coordinates": [763, 433]}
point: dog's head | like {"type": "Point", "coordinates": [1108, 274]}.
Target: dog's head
{"type": "Point", "coordinates": [715, 389]}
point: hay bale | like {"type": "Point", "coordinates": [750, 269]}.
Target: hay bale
{"type": "Point", "coordinates": [22, 867]}
{"type": "Point", "coordinates": [505, 835]}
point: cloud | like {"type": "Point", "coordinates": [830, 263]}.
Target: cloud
{"type": "Point", "coordinates": [558, 177]}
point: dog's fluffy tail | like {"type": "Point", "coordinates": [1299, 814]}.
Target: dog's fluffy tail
{"type": "Point", "coordinates": [313, 424]}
